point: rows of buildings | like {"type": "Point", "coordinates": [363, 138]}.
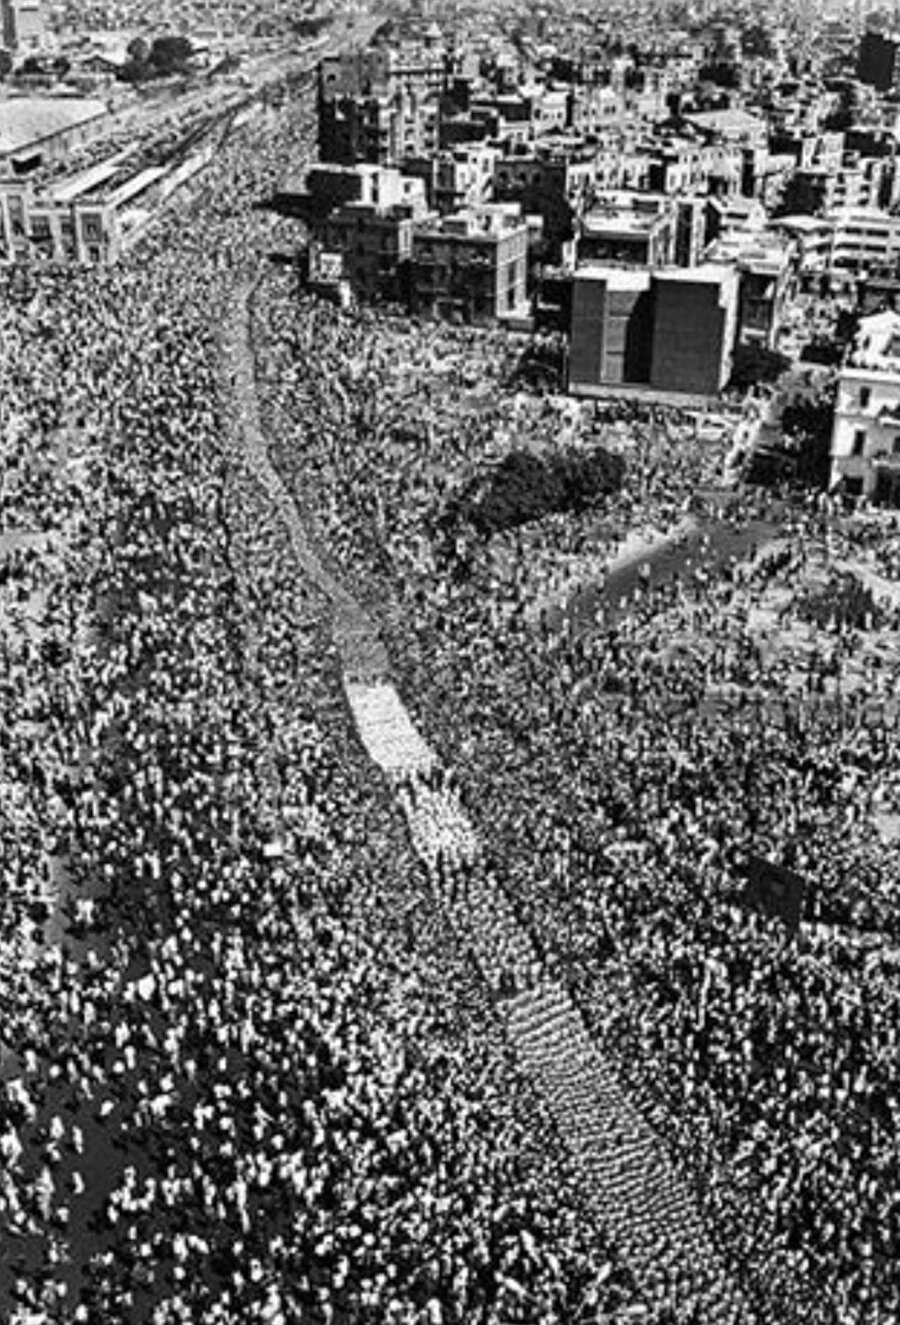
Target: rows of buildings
{"type": "Point", "coordinates": [613, 193]}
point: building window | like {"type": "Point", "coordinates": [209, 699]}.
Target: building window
{"type": "Point", "coordinates": [865, 395]}
{"type": "Point", "coordinates": [859, 442]}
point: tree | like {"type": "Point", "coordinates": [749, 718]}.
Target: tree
{"type": "Point", "coordinates": [170, 55]}
{"type": "Point", "coordinates": [133, 72]}
{"type": "Point", "coordinates": [138, 50]}
{"type": "Point", "coordinates": [526, 487]}
{"type": "Point", "coordinates": [753, 364]}
{"type": "Point", "coordinates": [807, 425]}
{"type": "Point", "coordinates": [756, 42]}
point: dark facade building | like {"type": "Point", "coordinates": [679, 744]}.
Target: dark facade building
{"type": "Point", "coordinates": [611, 327]}
{"type": "Point", "coordinates": [671, 330]}
{"type": "Point", "coordinates": [471, 268]}
{"type": "Point", "coordinates": [877, 62]}
{"type": "Point", "coordinates": [694, 326]}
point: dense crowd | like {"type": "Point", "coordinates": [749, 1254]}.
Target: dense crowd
{"type": "Point", "coordinates": [247, 1073]}
{"type": "Point", "coordinates": [622, 771]}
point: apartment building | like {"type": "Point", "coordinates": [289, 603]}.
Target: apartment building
{"type": "Point", "coordinates": [765, 263]}
{"type": "Point", "coordinates": [633, 229]}
{"type": "Point", "coordinates": [863, 240]}
{"type": "Point", "coordinates": [23, 25]}
{"type": "Point", "coordinates": [671, 330]}
{"type": "Point", "coordinates": [471, 267]}
{"type": "Point", "coordinates": [361, 220]}
{"type": "Point", "coordinates": [865, 441]}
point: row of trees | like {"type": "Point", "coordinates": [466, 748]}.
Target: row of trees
{"type": "Point", "coordinates": [160, 58]}
{"type": "Point", "coordinates": [35, 67]}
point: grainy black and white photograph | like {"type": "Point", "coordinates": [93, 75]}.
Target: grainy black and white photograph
{"type": "Point", "coordinates": [449, 657]}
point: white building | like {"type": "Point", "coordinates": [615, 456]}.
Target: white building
{"type": "Point", "coordinates": [864, 239]}
{"type": "Point", "coordinates": [865, 442]}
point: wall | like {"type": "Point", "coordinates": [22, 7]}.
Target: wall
{"type": "Point", "coordinates": [693, 334]}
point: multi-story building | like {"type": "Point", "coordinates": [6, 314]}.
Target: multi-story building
{"type": "Point", "coordinates": [877, 62]}
{"type": "Point", "coordinates": [455, 178]}
{"type": "Point", "coordinates": [361, 220]}
{"type": "Point", "coordinates": [611, 328]}
{"type": "Point", "coordinates": [595, 109]}
{"type": "Point", "coordinates": [766, 263]}
{"type": "Point", "coordinates": [22, 25]}
{"type": "Point", "coordinates": [91, 217]}
{"type": "Point", "coordinates": [864, 240]}
{"type": "Point", "coordinates": [813, 239]}
{"type": "Point", "coordinates": [409, 67]}
{"type": "Point", "coordinates": [471, 267]}
{"type": "Point", "coordinates": [632, 229]}
{"type": "Point", "coordinates": [379, 129]}
{"type": "Point", "coordinates": [694, 324]}
{"type": "Point", "coordinates": [555, 183]}
{"type": "Point", "coordinates": [865, 441]}
{"type": "Point", "coordinates": [670, 331]}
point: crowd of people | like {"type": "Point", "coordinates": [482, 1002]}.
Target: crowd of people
{"type": "Point", "coordinates": [248, 1070]}
{"type": "Point", "coordinates": [622, 771]}
{"type": "Point", "coordinates": [247, 1073]}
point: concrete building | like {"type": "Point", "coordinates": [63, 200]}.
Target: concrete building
{"type": "Point", "coordinates": [455, 178]}
{"type": "Point", "coordinates": [611, 331]}
{"type": "Point", "coordinates": [371, 233]}
{"type": "Point", "coordinates": [22, 25]}
{"type": "Point", "coordinates": [864, 240]}
{"type": "Point", "coordinates": [877, 63]}
{"type": "Point", "coordinates": [670, 331]}
{"type": "Point", "coordinates": [694, 324]}
{"type": "Point", "coordinates": [382, 71]}
{"type": "Point", "coordinates": [631, 229]}
{"type": "Point", "coordinates": [91, 217]}
{"type": "Point", "coordinates": [765, 263]}
{"type": "Point", "coordinates": [380, 129]}
{"type": "Point", "coordinates": [471, 267]}
{"type": "Point", "coordinates": [865, 441]}
{"type": "Point", "coordinates": [812, 237]}
{"type": "Point", "coordinates": [361, 222]}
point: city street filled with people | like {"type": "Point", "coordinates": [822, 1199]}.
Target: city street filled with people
{"type": "Point", "coordinates": [247, 1071]}
{"type": "Point", "coordinates": [251, 1069]}
{"type": "Point", "coordinates": [622, 772]}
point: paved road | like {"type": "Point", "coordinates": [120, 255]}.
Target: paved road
{"type": "Point", "coordinates": [713, 543]}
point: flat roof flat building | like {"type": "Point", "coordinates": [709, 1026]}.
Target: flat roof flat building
{"type": "Point", "coordinates": [694, 324]}
{"type": "Point", "coordinates": [672, 330]}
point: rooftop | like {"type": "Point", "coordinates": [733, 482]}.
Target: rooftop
{"type": "Point", "coordinates": [27, 120]}
{"type": "Point", "coordinates": [803, 223]}
{"type": "Point", "coordinates": [708, 273]}
{"type": "Point", "coordinates": [615, 278]}
{"type": "Point", "coordinates": [85, 181]}
{"type": "Point", "coordinates": [620, 222]}
{"type": "Point", "coordinates": [732, 123]}
{"type": "Point", "coordinates": [878, 342]}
